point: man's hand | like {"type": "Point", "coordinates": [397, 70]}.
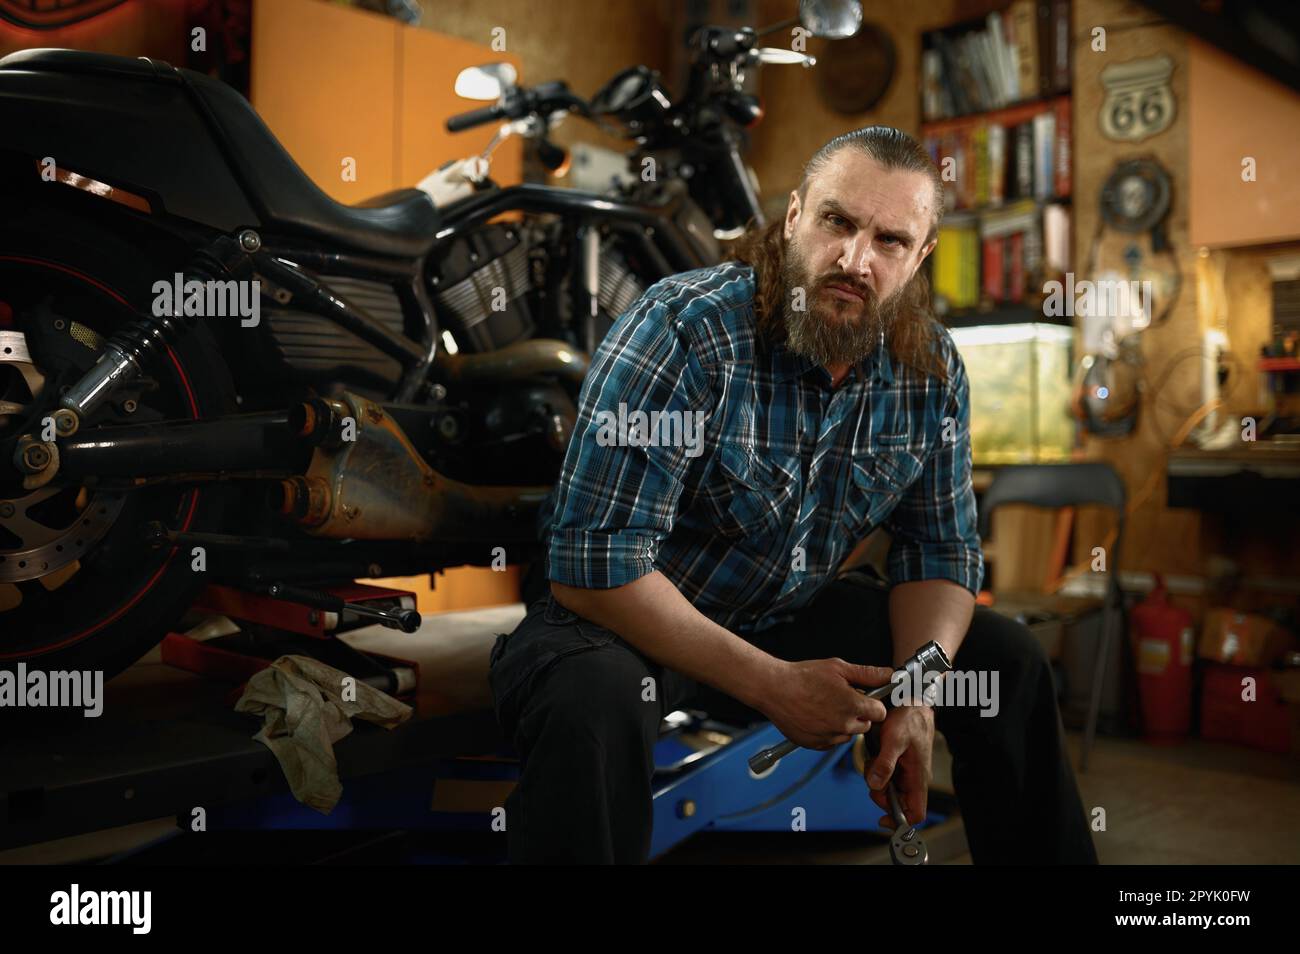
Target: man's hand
{"type": "Point", "coordinates": [814, 703]}
{"type": "Point", "coordinates": [906, 744]}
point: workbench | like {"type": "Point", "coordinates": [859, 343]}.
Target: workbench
{"type": "Point", "coordinates": [1251, 477]}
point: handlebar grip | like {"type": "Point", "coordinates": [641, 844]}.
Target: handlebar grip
{"type": "Point", "coordinates": [475, 117]}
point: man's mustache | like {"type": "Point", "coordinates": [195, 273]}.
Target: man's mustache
{"type": "Point", "coordinates": [852, 284]}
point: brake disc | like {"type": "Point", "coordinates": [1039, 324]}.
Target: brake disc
{"type": "Point", "coordinates": [46, 544]}
{"type": "Point", "coordinates": [48, 529]}
{"type": "Point", "coordinates": [13, 351]}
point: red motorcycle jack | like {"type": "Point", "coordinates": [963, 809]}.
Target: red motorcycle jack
{"type": "Point", "coordinates": [290, 620]}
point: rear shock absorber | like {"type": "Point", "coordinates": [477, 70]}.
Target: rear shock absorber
{"type": "Point", "coordinates": [126, 352]}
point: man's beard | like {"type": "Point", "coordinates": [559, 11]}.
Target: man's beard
{"type": "Point", "coordinates": [831, 330]}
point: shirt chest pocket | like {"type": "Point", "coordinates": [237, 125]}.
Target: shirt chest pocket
{"type": "Point", "coordinates": [750, 496]}
{"type": "Point", "coordinates": [876, 484]}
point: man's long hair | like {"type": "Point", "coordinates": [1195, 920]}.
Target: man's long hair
{"type": "Point", "coordinates": [912, 337]}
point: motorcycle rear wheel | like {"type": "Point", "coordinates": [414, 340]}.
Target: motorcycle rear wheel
{"type": "Point", "coordinates": [118, 596]}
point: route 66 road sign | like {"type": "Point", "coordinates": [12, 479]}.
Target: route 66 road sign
{"type": "Point", "coordinates": [1139, 100]}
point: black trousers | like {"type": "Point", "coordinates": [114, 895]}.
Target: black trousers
{"type": "Point", "coordinates": [573, 698]}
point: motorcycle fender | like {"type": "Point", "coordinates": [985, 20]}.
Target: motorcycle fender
{"type": "Point", "coordinates": [138, 134]}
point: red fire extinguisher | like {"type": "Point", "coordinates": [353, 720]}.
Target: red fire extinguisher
{"type": "Point", "coordinates": [1163, 640]}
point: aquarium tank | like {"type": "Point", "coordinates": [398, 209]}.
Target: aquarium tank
{"type": "Point", "coordinates": [1019, 392]}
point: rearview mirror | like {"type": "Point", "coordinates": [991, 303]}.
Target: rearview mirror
{"type": "Point", "coordinates": [486, 82]}
{"type": "Point", "coordinates": [831, 19]}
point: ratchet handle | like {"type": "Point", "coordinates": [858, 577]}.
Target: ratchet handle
{"type": "Point", "coordinates": [929, 658]}
{"type": "Point", "coordinates": [764, 760]}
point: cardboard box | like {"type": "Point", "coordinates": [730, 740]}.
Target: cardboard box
{"type": "Point", "coordinates": [1242, 639]}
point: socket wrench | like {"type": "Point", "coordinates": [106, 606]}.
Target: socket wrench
{"type": "Point", "coordinates": [929, 658]}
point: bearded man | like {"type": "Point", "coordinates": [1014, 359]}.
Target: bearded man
{"type": "Point", "coordinates": [682, 575]}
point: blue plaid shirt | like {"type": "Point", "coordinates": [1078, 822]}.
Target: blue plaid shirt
{"type": "Point", "coordinates": [754, 519]}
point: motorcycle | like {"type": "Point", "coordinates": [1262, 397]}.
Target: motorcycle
{"type": "Point", "coordinates": [212, 372]}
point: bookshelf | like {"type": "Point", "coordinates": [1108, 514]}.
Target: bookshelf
{"type": "Point", "coordinates": [997, 120]}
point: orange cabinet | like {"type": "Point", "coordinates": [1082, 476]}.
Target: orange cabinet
{"type": "Point", "coordinates": [359, 99]}
{"type": "Point", "coordinates": [1240, 121]}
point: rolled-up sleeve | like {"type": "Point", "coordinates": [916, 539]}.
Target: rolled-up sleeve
{"type": "Point", "coordinates": [617, 498]}
{"type": "Point", "coordinates": [934, 529]}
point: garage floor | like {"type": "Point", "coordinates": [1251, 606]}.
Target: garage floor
{"type": "Point", "coordinates": [1198, 803]}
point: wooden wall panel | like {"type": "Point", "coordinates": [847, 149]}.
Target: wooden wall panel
{"type": "Point", "coordinates": [1156, 536]}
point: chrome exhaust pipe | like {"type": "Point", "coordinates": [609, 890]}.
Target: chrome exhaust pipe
{"type": "Point", "coordinates": [523, 359]}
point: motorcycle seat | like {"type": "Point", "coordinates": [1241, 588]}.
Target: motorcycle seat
{"type": "Point", "coordinates": [401, 223]}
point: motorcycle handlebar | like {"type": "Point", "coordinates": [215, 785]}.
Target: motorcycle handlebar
{"type": "Point", "coordinates": [475, 117]}
{"type": "Point", "coordinates": [540, 101]}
